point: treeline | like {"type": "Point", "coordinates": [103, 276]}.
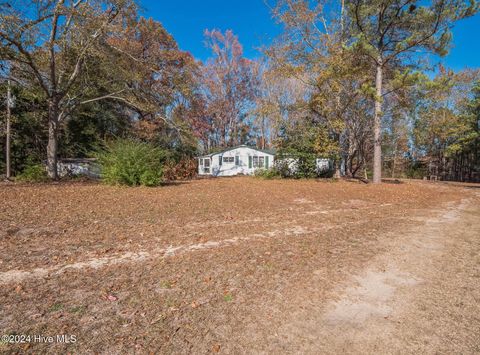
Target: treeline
{"type": "Point", "coordinates": [350, 81]}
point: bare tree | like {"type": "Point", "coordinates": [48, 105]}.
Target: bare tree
{"type": "Point", "coordinates": [8, 104]}
{"type": "Point", "coordinates": [229, 86]}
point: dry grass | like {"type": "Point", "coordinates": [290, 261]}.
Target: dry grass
{"type": "Point", "coordinates": [202, 266]}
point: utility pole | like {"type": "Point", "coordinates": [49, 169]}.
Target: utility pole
{"type": "Point", "coordinates": [7, 148]}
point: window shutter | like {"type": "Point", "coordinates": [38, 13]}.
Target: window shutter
{"type": "Point", "coordinates": [250, 162]}
{"type": "Point", "coordinates": [219, 160]}
{"type": "Point", "coordinates": [266, 162]}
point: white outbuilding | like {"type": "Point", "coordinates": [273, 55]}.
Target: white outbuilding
{"type": "Point", "coordinates": [235, 161]}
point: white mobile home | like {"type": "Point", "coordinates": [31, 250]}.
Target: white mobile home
{"type": "Point", "coordinates": [234, 161]}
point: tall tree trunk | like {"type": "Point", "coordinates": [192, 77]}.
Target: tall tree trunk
{"type": "Point", "coordinates": [337, 172]}
{"type": "Point", "coordinates": [338, 160]}
{"type": "Point", "coordinates": [7, 143]}
{"type": "Point", "coordinates": [350, 154]}
{"type": "Point", "coordinates": [394, 160]}
{"type": "Point", "coordinates": [223, 136]}
{"type": "Point", "coordinates": [262, 142]}
{"type": "Point", "coordinates": [377, 151]}
{"type": "Point", "coordinates": [393, 166]}
{"type": "Point", "coordinates": [52, 140]}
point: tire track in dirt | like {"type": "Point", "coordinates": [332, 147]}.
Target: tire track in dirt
{"type": "Point", "coordinates": [170, 251]}
{"type": "Point", "coordinates": [365, 315]}
{"type": "Point", "coordinates": [132, 257]}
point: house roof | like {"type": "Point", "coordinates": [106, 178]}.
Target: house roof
{"type": "Point", "coordinates": [266, 151]}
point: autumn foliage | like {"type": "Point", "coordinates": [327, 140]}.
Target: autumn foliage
{"type": "Point", "coordinates": [339, 82]}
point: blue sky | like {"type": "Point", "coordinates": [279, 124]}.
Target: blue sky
{"type": "Point", "coordinates": [252, 22]}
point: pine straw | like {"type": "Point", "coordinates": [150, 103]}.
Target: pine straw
{"type": "Point", "coordinates": [178, 297]}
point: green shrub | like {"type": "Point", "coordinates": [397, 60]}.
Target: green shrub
{"type": "Point", "coordinates": [306, 167]}
{"type": "Point", "coordinates": [283, 168]}
{"type": "Point", "coordinates": [296, 165]}
{"type": "Point", "coordinates": [33, 173]}
{"type": "Point", "coordinates": [150, 178]}
{"type": "Point", "coordinates": [132, 163]}
{"type": "Point", "coordinates": [416, 171]}
{"type": "Point", "coordinates": [271, 173]}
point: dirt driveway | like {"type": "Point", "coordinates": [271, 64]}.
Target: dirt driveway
{"type": "Point", "coordinates": [241, 266]}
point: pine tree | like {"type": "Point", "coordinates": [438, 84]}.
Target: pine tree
{"type": "Point", "coordinates": [391, 31]}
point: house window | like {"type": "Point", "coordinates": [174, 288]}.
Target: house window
{"type": "Point", "coordinates": [237, 160]}
{"type": "Point", "coordinates": [201, 162]}
{"type": "Point", "coordinates": [228, 159]}
{"type": "Point", "coordinates": [206, 168]}
{"type": "Point", "coordinates": [258, 162]}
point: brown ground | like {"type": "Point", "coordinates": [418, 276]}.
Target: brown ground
{"type": "Point", "coordinates": [240, 265]}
